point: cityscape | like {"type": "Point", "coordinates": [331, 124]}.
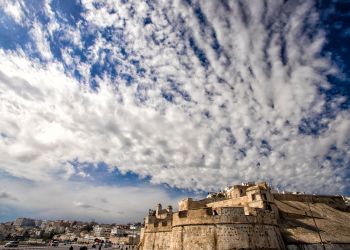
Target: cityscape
{"type": "Point", "coordinates": [40, 233]}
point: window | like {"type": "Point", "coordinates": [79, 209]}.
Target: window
{"type": "Point", "coordinates": [182, 214]}
{"type": "Point", "coordinates": [253, 197]}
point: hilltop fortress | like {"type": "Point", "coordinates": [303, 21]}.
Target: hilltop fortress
{"type": "Point", "coordinates": [250, 216]}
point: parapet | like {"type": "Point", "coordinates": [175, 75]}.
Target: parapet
{"type": "Point", "coordinates": [158, 226]}
{"type": "Point", "coordinates": [159, 220]}
{"type": "Point", "coordinates": [189, 203]}
{"type": "Point", "coordinates": [224, 215]}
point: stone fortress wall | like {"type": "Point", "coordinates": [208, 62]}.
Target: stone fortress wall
{"type": "Point", "coordinates": [225, 228]}
{"type": "Point", "coordinates": [157, 232]}
{"type": "Point", "coordinates": [241, 217]}
{"type": "Point", "coordinates": [213, 223]}
{"type": "Point", "coordinates": [331, 200]}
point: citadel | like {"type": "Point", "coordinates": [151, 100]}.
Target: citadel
{"type": "Point", "coordinates": [250, 216]}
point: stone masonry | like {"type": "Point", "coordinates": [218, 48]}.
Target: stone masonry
{"type": "Point", "coordinates": [247, 216]}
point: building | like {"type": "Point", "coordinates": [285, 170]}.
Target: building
{"type": "Point", "coordinates": [38, 233]}
{"type": "Point", "coordinates": [125, 235]}
{"type": "Point", "coordinates": [99, 231]}
{"type": "Point", "coordinates": [118, 231]}
{"type": "Point", "coordinates": [249, 216]}
{"type": "Point", "coordinates": [38, 223]}
{"type": "Point", "coordinates": [44, 224]}
{"type": "Point", "coordinates": [24, 222]}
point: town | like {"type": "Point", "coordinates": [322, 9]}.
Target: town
{"type": "Point", "coordinates": [34, 232]}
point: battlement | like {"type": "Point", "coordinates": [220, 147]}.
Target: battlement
{"type": "Point", "coordinates": [159, 220]}
{"type": "Point", "coordinates": [159, 226]}
{"type": "Point", "coordinates": [224, 215]}
{"type": "Point", "coordinates": [189, 203]}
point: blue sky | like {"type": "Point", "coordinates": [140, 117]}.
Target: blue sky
{"type": "Point", "coordinates": [114, 106]}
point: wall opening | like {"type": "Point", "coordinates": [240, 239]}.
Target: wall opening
{"type": "Point", "coordinates": [253, 197]}
{"type": "Point", "coordinates": [183, 214]}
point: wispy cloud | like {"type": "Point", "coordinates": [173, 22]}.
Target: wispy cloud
{"type": "Point", "coordinates": [88, 206]}
{"type": "Point", "coordinates": [14, 9]}
{"type": "Point", "coordinates": [7, 196]}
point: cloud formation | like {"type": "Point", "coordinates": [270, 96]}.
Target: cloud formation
{"type": "Point", "coordinates": [80, 201]}
{"type": "Point", "coordinates": [7, 196]}
{"type": "Point", "coordinates": [14, 9]}
{"type": "Point", "coordinates": [197, 96]}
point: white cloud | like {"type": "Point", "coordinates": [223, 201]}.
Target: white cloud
{"type": "Point", "coordinates": [40, 37]}
{"type": "Point", "coordinates": [53, 25]}
{"type": "Point", "coordinates": [14, 8]}
{"type": "Point", "coordinates": [102, 17]}
{"type": "Point", "coordinates": [239, 121]}
{"type": "Point", "coordinates": [81, 201]}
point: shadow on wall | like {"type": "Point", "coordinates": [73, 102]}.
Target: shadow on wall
{"type": "Point", "coordinates": [325, 246]}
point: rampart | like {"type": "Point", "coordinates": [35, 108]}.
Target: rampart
{"type": "Point", "coordinates": [240, 201]}
{"type": "Point", "coordinates": [157, 236]}
{"type": "Point", "coordinates": [220, 228]}
{"type": "Point", "coordinates": [331, 200]}
{"type": "Point", "coordinates": [189, 203]}
{"type": "Point", "coordinates": [224, 215]}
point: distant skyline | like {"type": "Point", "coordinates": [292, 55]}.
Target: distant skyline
{"type": "Point", "coordinates": [68, 220]}
{"type": "Point", "coordinates": [109, 107]}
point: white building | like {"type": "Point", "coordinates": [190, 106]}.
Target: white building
{"type": "Point", "coordinates": [99, 231]}
{"type": "Point", "coordinates": [116, 231]}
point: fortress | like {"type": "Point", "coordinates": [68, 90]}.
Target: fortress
{"type": "Point", "coordinates": [250, 216]}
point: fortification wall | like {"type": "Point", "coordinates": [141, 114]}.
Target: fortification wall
{"type": "Point", "coordinates": [156, 240]}
{"type": "Point", "coordinates": [156, 235]}
{"type": "Point", "coordinates": [226, 236]}
{"type": "Point", "coordinates": [189, 203]}
{"type": "Point", "coordinates": [334, 201]}
{"type": "Point", "coordinates": [221, 228]}
{"type": "Point", "coordinates": [333, 246]}
{"type": "Point", "coordinates": [240, 201]}
{"type": "Point", "coordinates": [223, 215]}
{"type": "Point", "coordinates": [158, 226]}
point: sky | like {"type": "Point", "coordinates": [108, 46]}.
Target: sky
{"type": "Point", "coordinates": [109, 107]}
